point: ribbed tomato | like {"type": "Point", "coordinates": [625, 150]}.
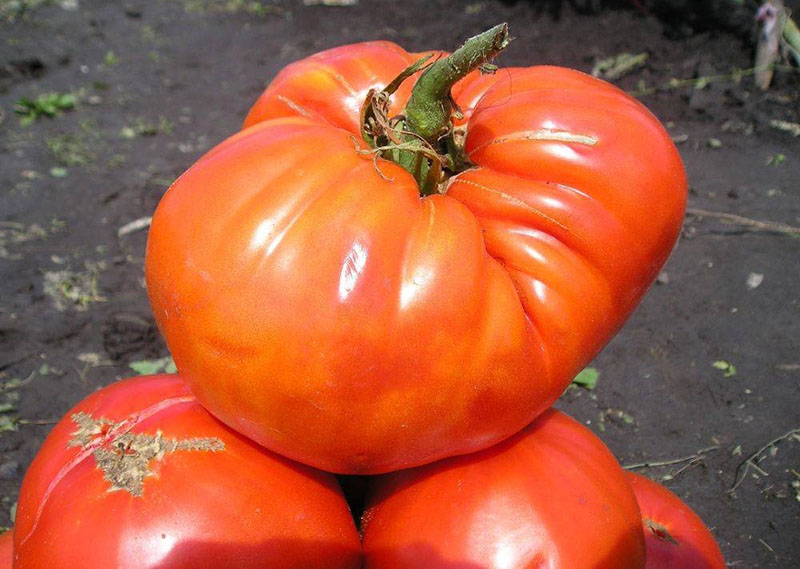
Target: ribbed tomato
{"type": "Point", "coordinates": [6, 549]}
{"type": "Point", "coordinates": [140, 476]}
{"type": "Point", "coordinates": [551, 496]}
{"type": "Point", "coordinates": [318, 304]}
{"type": "Point", "coordinates": [676, 537]}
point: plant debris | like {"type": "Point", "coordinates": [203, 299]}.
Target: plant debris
{"type": "Point", "coordinates": [587, 378]}
{"type": "Point", "coordinates": [776, 160]}
{"type": "Point", "coordinates": [135, 225]}
{"type": "Point", "coordinates": [753, 224]}
{"type": "Point", "coordinates": [753, 460]}
{"type": "Point", "coordinates": [69, 149]}
{"type": "Point", "coordinates": [754, 280]}
{"type": "Point", "coordinates": [143, 127]}
{"type": "Point", "coordinates": [151, 367]}
{"type": "Point", "coordinates": [46, 105]}
{"type": "Point", "coordinates": [618, 66]}
{"type": "Point", "coordinates": [69, 289]}
{"type": "Point", "coordinates": [93, 359]}
{"type": "Point", "coordinates": [250, 7]}
{"type": "Point", "coordinates": [12, 233]}
{"type": "Point", "coordinates": [792, 128]}
{"type": "Point", "coordinates": [617, 416]}
{"type": "Point", "coordinates": [728, 369]}
{"type": "Point", "coordinates": [330, 2]}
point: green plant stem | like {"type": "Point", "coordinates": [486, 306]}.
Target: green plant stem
{"type": "Point", "coordinates": [429, 111]}
{"type": "Point", "coordinates": [422, 138]}
{"type": "Point", "coordinates": [430, 107]}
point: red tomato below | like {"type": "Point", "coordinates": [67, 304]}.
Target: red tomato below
{"type": "Point", "coordinates": [6, 549]}
{"type": "Point", "coordinates": [675, 536]}
{"type": "Point", "coordinates": [139, 476]}
{"type": "Point", "coordinates": [551, 496]}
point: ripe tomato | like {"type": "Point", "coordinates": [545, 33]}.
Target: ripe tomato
{"type": "Point", "coordinates": [317, 304]}
{"type": "Point", "coordinates": [676, 537]}
{"type": "Point", "coordinates": [551, 496]}
{"type": "Point", "coordinates": [6, 549]}
{"type": "Point", "coordinates": [139, 475]}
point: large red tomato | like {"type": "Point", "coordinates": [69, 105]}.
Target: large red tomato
{"type": "Point", "coordinates": [6, 549]}
{"type": "Point", "coordinates": [318, 304]}
{"type": "Point", "coordinates": [675, 536]}
{"type": "Point", "coordinates": [550, 497]}
{"type": "Point", "coordinates": [140, 476]}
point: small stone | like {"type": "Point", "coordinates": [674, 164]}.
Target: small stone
{"type": "Point", "coordinates": [754, 280]}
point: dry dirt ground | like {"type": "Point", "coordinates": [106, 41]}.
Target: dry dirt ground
{"type": "Point", "coordinates": [706, 371]}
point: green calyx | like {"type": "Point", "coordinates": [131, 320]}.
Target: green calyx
{"type": "Point", "coordinates": [422, 139]}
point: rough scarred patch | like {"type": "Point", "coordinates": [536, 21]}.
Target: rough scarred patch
{"type": "Point", "coordinates": [660, 531]}
{"type": "Point", "coordinates": [125, 457]}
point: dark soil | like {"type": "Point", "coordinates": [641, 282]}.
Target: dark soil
{"type": "Point", "coordinates": [159, 83]}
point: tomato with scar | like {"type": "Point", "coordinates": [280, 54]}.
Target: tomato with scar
{"type": "Point", "coordinates": [406, 257]}
{"type": "Point", "coordinates": [676, 537]}
{"type": "Point", "coordinates": [140, 476]}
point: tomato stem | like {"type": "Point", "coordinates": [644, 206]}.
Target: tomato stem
{"type": "Point", "coordinates": [422, 139]}
{"type": "Point", "coordinates": [430, 107]}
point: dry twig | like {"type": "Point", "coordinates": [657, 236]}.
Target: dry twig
{"type": "Point", "coordinates": [37, 421]}
{"type": "Point", "coordinates": [650, 464]}
{"type": "Point", "coordinates": [753, 224]}
{"type": "Point", "coordinates": [135, 225]}
{"type": "Point", "coordinates": [748, 462]}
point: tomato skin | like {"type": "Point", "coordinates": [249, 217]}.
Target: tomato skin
{"type": "Point", "coordinates": [675, 536]}
{"type": "Point", "coordinates": [216, 500]}
{"type": "Point", "coordinates": [6, 549]}
{"type": "Point", "coordinates": [315, 303]}
{"type": "Point", "coordinates": [551, 496]}
{"type": "Point", "coordinates": [330, 86]}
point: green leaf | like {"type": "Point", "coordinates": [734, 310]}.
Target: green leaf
{"type": "Point", "coordinates": [65, 101]}
{"type": "Point", "coordinates": [8, 423]}
{"type": "Point", "coordinates": [776, 160]}
{"type": "Point", "coordinates": [728, 369]}
{"type": "Point", "coordinates": [45, 105]}
{"type": "Point", "coordinates": [110, 58]}
{"type": "Point", "coordinates": [151, 367]}
{"type": "Point", "coordinates": [24, 106]}
{"type": "Point", "coordinates": [587, 378]}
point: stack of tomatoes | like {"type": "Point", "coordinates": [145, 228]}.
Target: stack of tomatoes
{"type": "Point", "coordinates": [327, 318]}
